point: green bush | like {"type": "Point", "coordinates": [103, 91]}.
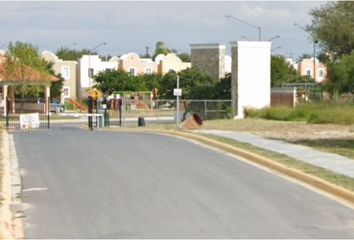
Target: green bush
{"type": "Point", "coordinates": [316, 113]}
{"type": "Point", "coordinates": [69, 106]}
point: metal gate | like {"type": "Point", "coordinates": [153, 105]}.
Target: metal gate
{"type": "Point", "coordinates": [25, 115]}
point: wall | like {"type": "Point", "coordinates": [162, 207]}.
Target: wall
{"type": "Point", "coordinates": [209, 58]}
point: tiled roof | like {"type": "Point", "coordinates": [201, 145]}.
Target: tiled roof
{"type": "Point", "coordinates": [22, 73]}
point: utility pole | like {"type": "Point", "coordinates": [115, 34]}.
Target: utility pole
{"type": "Point", "coordinates": [147, 51]}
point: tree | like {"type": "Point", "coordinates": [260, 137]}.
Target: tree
{"type": "Point", "coordinates": [341, 76]}
{"type": "Point", "coordinates": [196, 84]}
{"type": "Point", "coordinates": [333, 27]}
{"type": "Point", "coordinates": [161, 48]}
{"type": "Point", "coordinates": [72, 54]}
{"type": "Point", "coordinates": [185, 57]}
{"type": "Point", "coordinates": [26, 55]}
{"type": "Point", "coordinates": [111, 80]}
{"type": "Point", "coordinates": [282, 72]}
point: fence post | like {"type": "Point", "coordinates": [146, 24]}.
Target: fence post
{"type": "Point", "coordinates": [120, 111]}
{"type": "Point", "coordinates": [205, 110]}
{"type": "Point", "coordinates": [7, 111]}
{"type": "Point", "coordinates": [48, 112]}
{"type": "Point", "coordinates": [90, 102]}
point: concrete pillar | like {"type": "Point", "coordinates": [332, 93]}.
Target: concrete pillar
{"type": "Point", "coordinates": [252, 66]}
{"type": "Point", "coordinates": [12, 98]}
{"type": "Point", "coordinates": [234, 76]}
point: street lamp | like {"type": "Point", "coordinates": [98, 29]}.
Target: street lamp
{"type": "Point", "coordinates": [277, 36]}
{"type": "Point", "coordinates": [256, 27]}
{"type": "Point", "coordinates": [273, 49]}
{"type": "Point", "coordinates": [246, 38]}
{"type": "Point", "coordinates": [314, 51]}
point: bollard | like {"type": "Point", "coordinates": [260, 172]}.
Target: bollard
{"type": "Point", "coordinates": [141, 122]}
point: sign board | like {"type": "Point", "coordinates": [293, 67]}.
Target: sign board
{"type": "Point", "coordinates": [177, 92]}
{"type": "Point", "coordinates": [29, 120]}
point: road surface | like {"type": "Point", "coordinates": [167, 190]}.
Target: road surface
{"type": "Point", "coordinates": [82, 184]}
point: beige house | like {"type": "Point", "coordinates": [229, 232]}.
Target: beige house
{"type": "Point", "coordinates": [135, 65]}
{"type": "Point", "coordinates": [307, 67]}
{"type": "Point", "coordinates": [169, 62]}
{"type": "Point", "coordinates": [68, 70]}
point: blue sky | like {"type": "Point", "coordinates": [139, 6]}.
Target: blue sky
{"type": "Point", "coordinates": [131, 26]}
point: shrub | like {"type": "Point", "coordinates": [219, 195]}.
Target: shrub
{"type": "Point", "coordinates": [310, 112]}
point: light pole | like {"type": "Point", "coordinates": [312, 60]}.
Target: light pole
{"type": "Point", "coordinates": [277, 36]}
{"type": "Point", "coordinates": [314, 51]}
{"type": "Point", "coordinates": [246, 38]}
{"type": "Point", "coordinates": [273, 49]}
{"type": "Point", "coordinates": [251, 25]}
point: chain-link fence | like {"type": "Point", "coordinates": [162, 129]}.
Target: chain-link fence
{"type": "Point", "coordinates": [164, 111]}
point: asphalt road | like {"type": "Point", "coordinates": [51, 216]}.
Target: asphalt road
{"type": "Point", "coordinates": [82, 184]}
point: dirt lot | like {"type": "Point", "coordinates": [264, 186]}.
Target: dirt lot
{"type": "Point", "coordinates": [290, 131]}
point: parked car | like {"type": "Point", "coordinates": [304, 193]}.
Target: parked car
{"type": "Point", "coordinates": [54, 106]}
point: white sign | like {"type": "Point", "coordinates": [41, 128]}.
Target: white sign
{"type": "Point", "coordinates": [29, 120]}
{"type": "Point", "coordinates": [177, 92]}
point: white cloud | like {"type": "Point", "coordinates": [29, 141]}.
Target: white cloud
{"type": "Point", "coordinates": [130, 26]}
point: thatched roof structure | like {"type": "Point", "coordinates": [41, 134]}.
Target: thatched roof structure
{"type": "Point", "coordinates": [21, 74]}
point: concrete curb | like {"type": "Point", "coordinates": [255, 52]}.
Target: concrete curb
{"type": "Point", "coordinates": [10, 223]}
{"type": "Point", "coordinates": [339, 193]}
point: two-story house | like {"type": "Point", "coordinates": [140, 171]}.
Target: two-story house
{"type": "Point", "coordinates": [67, 69]}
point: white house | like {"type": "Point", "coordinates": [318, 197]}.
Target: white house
{"type": "Point", "coordinates": [89, 66]}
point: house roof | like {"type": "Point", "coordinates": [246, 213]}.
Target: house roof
{"type": "Point", "coordinates": [24, 74]}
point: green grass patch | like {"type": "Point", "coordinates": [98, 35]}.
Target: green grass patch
{"type": "Point", "coordinates": [316, 113]}
{"type": "Point", "coordinates": [337, 179]}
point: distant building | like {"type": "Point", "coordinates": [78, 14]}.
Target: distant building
{"type": "Point", "coordinates": [67, 69]}
{"type": "Point", "coordinates": [170, 62]}
{"type": "Point", "coordinates": [292, 63]}
{"type": "Point", "coordinates": [210, 58]}
{"type": "Point", "coordinates": [133, 64]}
{"type": "Point", "coordinates": [88, 67]}
{"type": "Point", "coordinates": [306, 68]}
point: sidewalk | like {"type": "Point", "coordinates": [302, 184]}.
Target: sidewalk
{"type": "Point", "coordinates": [329, 161]}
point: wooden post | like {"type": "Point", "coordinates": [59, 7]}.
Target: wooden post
{"type": "Point", "coordinates": [4, 99]}
{"type": "Point", "coordinates": [47, 97]}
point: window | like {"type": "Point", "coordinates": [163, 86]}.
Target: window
{"type": "Point", "coordinates": [308, 72]}
{"type": "Point", "coordinates": [321, 74]}
{"type": "Point", "coordinates": [90, 72]}
{"type": "Point", "coordinates": [148, 71]}
{"type": "Point", "coordinates": [65, 72]}
{"type": "Point", "coordinates": [132, 71]}
{"type": "Point", "coordinates": [66, 92]}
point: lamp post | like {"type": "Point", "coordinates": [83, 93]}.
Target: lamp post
{"type": "Point", "coordinates": [251, 25]}
{"type": "Point", "coordinates": [277, 36]}
{"type": "Point", "coordinates": [273, 49]}
{"type": "Point", "coordinates": [314, 51]}
{"type": "Point", "coordinates": [246, 38]}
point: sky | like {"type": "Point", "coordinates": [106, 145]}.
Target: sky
{"type": "Point", "coordinates": [131, 26]}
